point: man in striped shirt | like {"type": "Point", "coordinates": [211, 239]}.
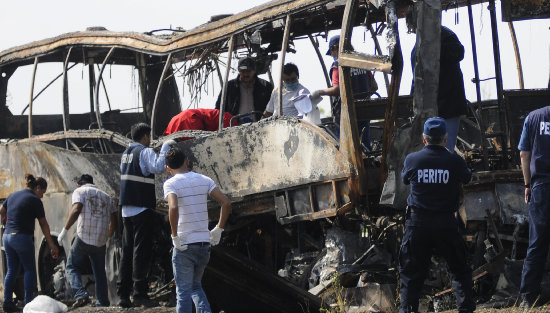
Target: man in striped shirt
{"type": "Point", "coordinates": [187, 195]}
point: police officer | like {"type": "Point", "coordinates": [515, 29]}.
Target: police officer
{"type": "Point", "coordinates": [363, 85]}
{"type": "Point", "coordinates": [138, 166]}
{"type": "Point", "coordinates": [435, 176]}
{"type": "Point", "coordinates": [534, 146]}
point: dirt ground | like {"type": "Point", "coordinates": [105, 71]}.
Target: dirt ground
{"type": "Point", "coordinates": [160, 309]}
{"type": "Point", "coordinates": [87, 309]}
{"type": "Point", "coordinates": [542, 309]}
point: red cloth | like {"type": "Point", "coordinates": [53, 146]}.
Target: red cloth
{"type": "Point", "coordinates": [201, 119]}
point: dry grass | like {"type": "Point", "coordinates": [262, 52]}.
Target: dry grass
{"type": "Point", "coordinates": [542, 309]}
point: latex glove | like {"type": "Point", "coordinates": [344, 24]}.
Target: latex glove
{"type": "Point", "coordinates": [315, 95]}
{"type": "Point", "coordinates": [178, 243]}
{"type": "Point", "coordinates": [170, 142]}
{"type": "Point", "coordinates": [215, 235]}
{"type": "Point", "coordinates": [61, 236]}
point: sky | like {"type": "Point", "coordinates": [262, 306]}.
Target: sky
{"type": "Point", "coordinates": [51, 18]}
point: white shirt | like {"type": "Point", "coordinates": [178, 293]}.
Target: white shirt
{"type": "Point", "coordinates": [192, 190]}
{"type": "Point", "coordinates": [288, 104]}
{"type": "Point", "coordinates": [93, 221]}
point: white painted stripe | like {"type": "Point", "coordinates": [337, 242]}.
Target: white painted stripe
{"type": "Point", "coordinates": [138, 179]}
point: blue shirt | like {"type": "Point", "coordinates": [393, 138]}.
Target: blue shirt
{"type": "Point", "coordinates": [535, 138]}
{"type": "Point", "coordinates": [22, 208]}
{"type": "Point", "coordinates": [435, 176]}
{"type": "Point", "coordinates": [150, 163]}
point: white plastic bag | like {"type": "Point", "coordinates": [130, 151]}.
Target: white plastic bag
{"type": "Point", "coordinates": [44, 304]}
{"type": "Point", "coordinates": [314, 116]}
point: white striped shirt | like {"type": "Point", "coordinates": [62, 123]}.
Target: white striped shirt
{"type": "Point", "coordinates": [192, 190]}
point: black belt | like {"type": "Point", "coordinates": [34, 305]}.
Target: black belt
{"type": "Point", "coordinates": [202, 244]}
{"type": "Point", "coordinates": [415, 210]}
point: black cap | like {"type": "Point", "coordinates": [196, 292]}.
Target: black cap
{"type": "Point", "coordinates": [85, 179]}
{"type": "Point", "coordinates": [247, 64]}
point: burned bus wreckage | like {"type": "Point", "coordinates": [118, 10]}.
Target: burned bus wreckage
{"type": "Point", "coordinates": [317, 218]}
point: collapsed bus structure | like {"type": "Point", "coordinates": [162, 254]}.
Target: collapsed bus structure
{"type": "Point", "coordinates": [307, 204]}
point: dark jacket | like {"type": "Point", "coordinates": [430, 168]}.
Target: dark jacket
{"type": "Point", "coordinates": [435, 176]}
{"type": "Point", "coordinates": [135, 188]}
{"type": "Point", "coordinates": [262, 93]}
{"type": "Point", "coordinates": [451, 98]}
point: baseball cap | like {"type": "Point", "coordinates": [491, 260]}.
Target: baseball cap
{"type": "Point", "coordinates": [334, 40]}
{"type": "Point", "coordinates": [247, 64]}
{"type": "Point", "coordinates": [435, 126]}
{"type": "Point", "coordinates": [85, 179]}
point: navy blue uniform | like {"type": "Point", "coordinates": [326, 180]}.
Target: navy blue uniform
{"type": "Point", "coordinates": [22, 208]}
{"type": "Point", "coordinates": [435, 176]}
{"type": "Point", "coordinates": [138, 190]}
{"type": "Point", "coordinates": [536, 139]}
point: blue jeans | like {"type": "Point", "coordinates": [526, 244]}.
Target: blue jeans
{"type": "Point", "coordinates": [19, 251]}
{"type": "Point", "coordinates": [539, 239]}
{"type": "Point", "coordinates": [80, 252]}
{"type": "Point", "coordinates": [452, 132]}
{"type": "Point", "coordinates": [188, 268]}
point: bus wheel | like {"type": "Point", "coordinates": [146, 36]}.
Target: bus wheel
{"type": "Point", "coordinates": [48, 266]}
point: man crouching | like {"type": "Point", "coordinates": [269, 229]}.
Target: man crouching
{"type": "Point", "coordinates": [186, 193]}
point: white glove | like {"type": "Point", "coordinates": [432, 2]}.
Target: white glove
{"type": "Point", "coordinates": [61, 236]}
{"type": "Point", "coordinates": [170, 142]}
{"type": "Point", "coordinates": [215, 235]}
{"type": "Point", "coordinates": [315, 95]}
{"type": "Point", "coordinates": [178, 243]}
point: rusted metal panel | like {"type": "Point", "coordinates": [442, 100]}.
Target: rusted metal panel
{"type": "Point", "coordinates": [282, 55]}
{"type": "Point", "coordinates": [90, 134]}
{"type": "Point", "coordinates": [225, 82]}
{"type": "Point", "coordinates": [365, 61]}
{"type": "Point", "coordinates": [499, 192]}
{"type": "Point", "coordinates": [426, 78]}
{"type": "Point", "coordinates": [60, 168]}
{"type": "Point", "coordinates": [515, 10]}
{"type": "Point", "coordinates": [272, 154]}
{"type": "Point", "coordinates": [349, 134]}
{"type": "Point", "coordinates": [397, 71]}
{"type": "Point", "coordinates": [154, 45]}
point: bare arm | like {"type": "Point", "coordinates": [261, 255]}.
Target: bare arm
{"type": "Point", "coordinates": [112, 224]}
{"type": "Point", "coordinates": [525, 157]}
{"type": "Point", "coordinates": [331, 91]}
{"type": "Point", "coordinates": [46, 231]}
{"type": "Point", "coordinates": [267, 114]}
{"type": "Point", "coordinates": [3, 212]}
{"type": "Point", "coordinates": [173, 213]}
{"type": "Point", "coordinates": [225, 203]}
{"type": "Point", "coordinates": [73, 215]}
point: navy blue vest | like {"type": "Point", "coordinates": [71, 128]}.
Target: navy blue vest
{"type": "Point", "coordinates": [539, 137]}
{"type": "Point", "coordinates": [360, 80]}
{"type": "Point", "coordinates": [135, 189]}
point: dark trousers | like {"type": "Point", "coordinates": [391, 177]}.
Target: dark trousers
{"type": "Point", "coordinates": [414, 261]}
{"type": "Point", "coordinates": [135, 261]}
{"type": "Point", "coordinates": [539, 239]}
